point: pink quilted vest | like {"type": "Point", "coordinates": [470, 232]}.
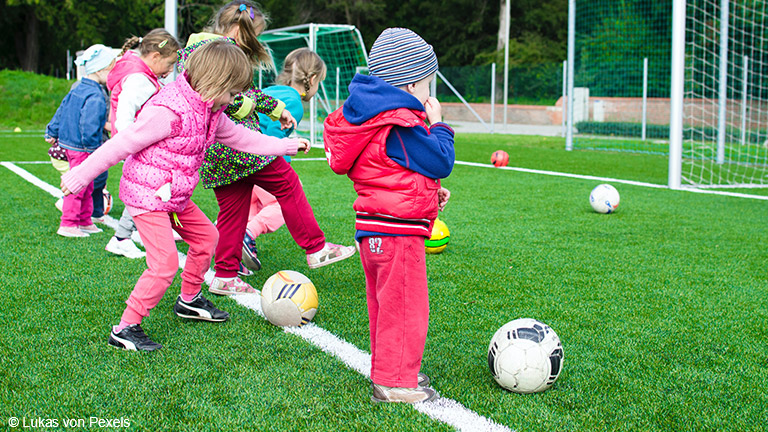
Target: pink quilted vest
{"type": "Point", "coordinates": [129, 64]}
{"type": "Point", "coordinates": [174, 161]}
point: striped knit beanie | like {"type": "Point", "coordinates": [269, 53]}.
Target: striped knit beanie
{"type": "Point", "coordinates": [400, 57]}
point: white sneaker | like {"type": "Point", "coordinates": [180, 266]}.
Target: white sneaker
{"type": "Point", "coordinates": [403, 394]}
{"type": "Point", "coordinates": [60, 204]}
{"type": "Point", "coordinates": [329, 254]}
{"type": "Point", "coordinates": [125, 248]}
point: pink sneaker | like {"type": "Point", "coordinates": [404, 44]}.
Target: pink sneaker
{"type": "Point", "coordinates": [329, 254]}
{"type": "Point", "coordinates": [90, 229]}
{"type": "Point", "coordinates": [71, 232]}
{"type": "Point", "coordinates": [235, 286]}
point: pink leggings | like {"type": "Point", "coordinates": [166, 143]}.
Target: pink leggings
{"type": "Point", "coordinates": [163, 259]}
{"type": "Point", "coordinates": [398, 307]}
{"type": "Point", "coordinates": [265, 215]}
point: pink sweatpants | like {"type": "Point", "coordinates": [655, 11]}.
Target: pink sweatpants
{"type": "Point", "coordinates": [398, 307]}
{"type": "Point", "coordinates": [265, 215]}
{"type": "Point", "coordinates": [78, 207]}
{"type": "Point", "coordinates": [163, 259]}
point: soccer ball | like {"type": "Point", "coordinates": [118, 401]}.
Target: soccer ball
{"type": "Point", "coordinates": [107, 201]}
{"type": "Point", "coordinates": [604, 198]}
{"type": "Point", "coordinates": [289, 299]}
{"type": "Point", "coordinates": [500, 158]}
{"type": "Point", "coordinates": [439, 239]}
{"type": "Point", "coordinates": [525, 356]}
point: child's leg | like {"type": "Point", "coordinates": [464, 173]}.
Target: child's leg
{"type": "Point", "coordinates": [198, 231]}
{"type": "Point", "coordinates": [233, 202]}
{"type": "Point", "coordinates": [398, 304]}
{"type": "Point", "coordinates": [97, 196]}
{"type": "Point", "coordinates": [77, 207]}
{"type": "Point", "coordinates": [162, 263]}
{"type": "Point", "coordinates": [265, 215]}
{"type": "Point", "coordinates": [280, 180]}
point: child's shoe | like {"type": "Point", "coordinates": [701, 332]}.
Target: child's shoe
{"type": "Point", "coordinates": [403, 394]}
{"type": "Point", "coordinates": [250, 253]}
{"type": "Point", "coordinates": [423, 380]}
{"type": "Point", "coordinates": [97, 219]}
{"type": "Point", "coordinates": [132, 338]}
{"type": "Point", "coordinates": [199, 308]}
{"type": "Point", "coordinates": [235, 286]}
{"type": "Point", "coordinates": [71, 232]}
{"type": "Point", "coordinates": [90, 229]}
{"type": "Point", "coordinates": [124, 247]}
{"type": "Point", "coordinates": [244, 271]}
{"type": "Point", "coordinates": [329, 254]}
{"type": "Point", "coordinates": [60, 204]}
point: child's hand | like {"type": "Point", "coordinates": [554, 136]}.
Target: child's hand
{"type": "Point", "coordinates": [305, 145]}
{"type": "Point", "coordinates": [287, 121]}
{"type": "Point", "coordinates": [443, 195]}
{"type": "Point", "coordinates": [51, 140]}
{"type": "Point", "coordinates": [434, 110]}
{"type": "Point", "coordinates": [64, 189]}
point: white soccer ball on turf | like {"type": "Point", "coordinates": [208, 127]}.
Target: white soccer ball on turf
{"type": "Point", "coordinates": [289, 299]}
{"type": "Point", "coordinates": [604, 198]}
{"type": "Point", "coordinates": [525, 356]}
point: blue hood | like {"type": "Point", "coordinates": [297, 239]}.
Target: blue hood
{"type": "Point", "coordinates": [369, 96]}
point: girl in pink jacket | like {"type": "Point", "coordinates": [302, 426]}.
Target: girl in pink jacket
{"type": "Point", "coordinates": [163, 151]}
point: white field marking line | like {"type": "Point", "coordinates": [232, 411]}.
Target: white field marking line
{"type": "Point", "coordinates": [612, 180]}
{"type": "Point", "coordinates": [444, 410]}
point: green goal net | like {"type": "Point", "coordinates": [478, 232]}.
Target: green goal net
{"type": "Point", "coordinates": [621, 75]}
{"type": "Point", "coordinates": [342, 49]}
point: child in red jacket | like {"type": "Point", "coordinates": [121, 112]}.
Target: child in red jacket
{"type": "Point", "coordinates": [390, 140]}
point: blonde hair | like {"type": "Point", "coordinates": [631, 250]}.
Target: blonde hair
{"type": "Point", "coordinates": [157, 40]}
{"type": "Point", "coordinates": [218, 67]}
{"type": "Point", "coordinates": [300, 66]}
{"type": "Point", "coordinates": [250, 21]}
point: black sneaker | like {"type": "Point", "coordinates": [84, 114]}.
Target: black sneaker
{"type": "Point", "coordinates": [250, 253]}
{"type": "Point", "coordinates": [200, 308]}
{"type": "Point", "coordinates": [133, 338]}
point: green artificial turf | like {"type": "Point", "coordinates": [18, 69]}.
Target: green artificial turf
{"type": "Point", "coordinates": [661, 308]}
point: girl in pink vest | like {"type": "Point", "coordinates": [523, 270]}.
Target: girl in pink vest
{"type": "Point", "coordinates": [135, 79]}
{"type": "Point", "coordinates": [163, 151]}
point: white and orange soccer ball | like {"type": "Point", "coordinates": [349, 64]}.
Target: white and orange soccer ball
{"type": "Point", "coordinates": [289, 299]}
{"type": "Point", "coordinates": [604, 199]}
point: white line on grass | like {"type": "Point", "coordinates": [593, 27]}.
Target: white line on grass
{"type": "Point", "coordinates": [612, 180]}
{"type": "Point", "coordinates": [444, 410]}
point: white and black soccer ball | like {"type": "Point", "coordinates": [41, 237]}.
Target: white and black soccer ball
{"type": "Point", "coordinates": [525, 356]}
{"type": "Point", "coordinates": [604, 198]}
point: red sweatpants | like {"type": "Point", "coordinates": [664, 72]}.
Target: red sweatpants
{"type": "Point", "coordinates": [280, 180]}
{"type": "Point", "coordinates": [163, 257]}
{"type": "Point", "coordinates": [398, 307]}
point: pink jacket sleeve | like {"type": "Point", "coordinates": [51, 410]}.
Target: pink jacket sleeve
{"type": "Point", "coordinates": [243, 139]}
{"type": "Point", "coordinates": [152, 125]}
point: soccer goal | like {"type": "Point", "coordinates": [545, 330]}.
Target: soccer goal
{"type": "Point", "coordinates": [720, 87]}
{"type": "Point", "coordinates": [342, 49]}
